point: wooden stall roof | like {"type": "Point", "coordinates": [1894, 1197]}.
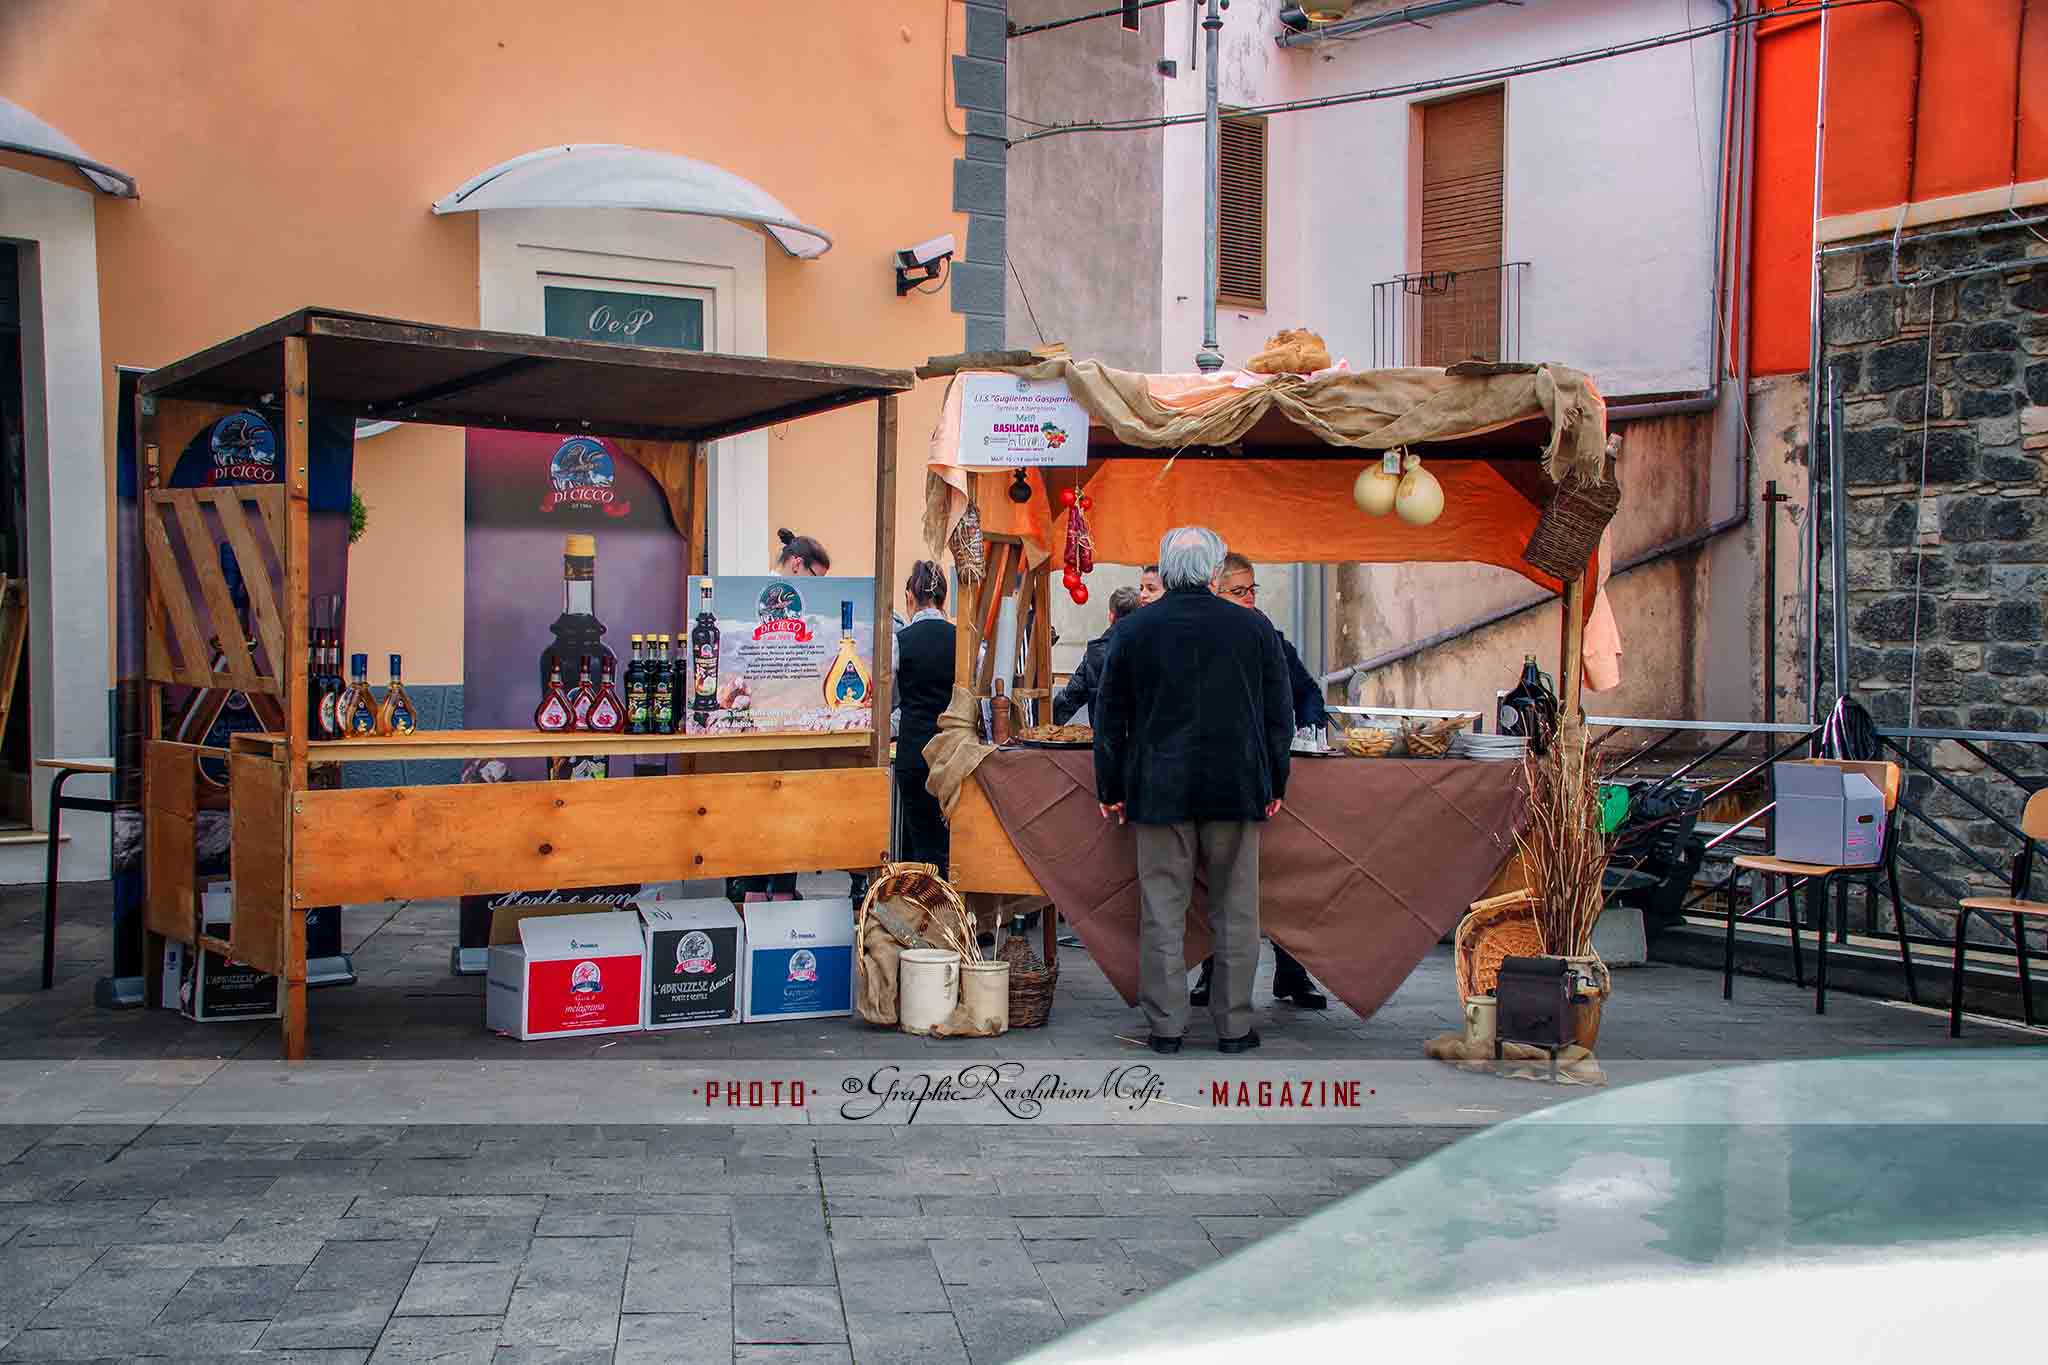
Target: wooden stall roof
{"type": "Point", "coordinates": [385, 369]}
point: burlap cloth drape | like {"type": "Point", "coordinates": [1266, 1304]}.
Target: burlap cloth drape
{"type": "Point", "coordinates": [1368, 864]}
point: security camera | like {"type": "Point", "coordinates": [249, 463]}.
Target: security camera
{"type": "Point", "coordinates": [925, 261]}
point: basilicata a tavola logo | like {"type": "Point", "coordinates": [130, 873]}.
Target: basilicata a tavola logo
{"type": "Point", "coordinates": [244, 449]}
{"type": "Point", "coordinates": [582, 478]}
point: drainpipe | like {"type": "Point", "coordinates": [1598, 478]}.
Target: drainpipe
{"type": "Point", "coordinates": [1407, 14]}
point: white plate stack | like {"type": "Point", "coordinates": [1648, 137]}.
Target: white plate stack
{"type": "Point", "coordinates": [1489, 748]}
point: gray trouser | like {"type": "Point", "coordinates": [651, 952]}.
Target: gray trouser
{"type": "Point", "coordinates": [1166, 880]}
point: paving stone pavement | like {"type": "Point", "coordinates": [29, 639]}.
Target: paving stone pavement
{"type": "Point", "coordinates": [754, 1244]}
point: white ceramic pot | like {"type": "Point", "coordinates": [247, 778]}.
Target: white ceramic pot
{"type": "Point", "coordinates": [927, 988]}
{"type": "Point", "coordinates": [985, 997]}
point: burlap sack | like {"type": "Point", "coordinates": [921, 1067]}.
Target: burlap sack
{"type": "Point", "coordinates": [874, 976]}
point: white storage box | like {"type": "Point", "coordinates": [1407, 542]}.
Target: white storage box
{"type": "Point", "coordinates": [799, 957]}
{"type": "Point", "coordinates": [694, 952]}
{"type": "Point", "coordinates": [568, 974]}
{"type": "Point", "coordinates": [1828, 815]}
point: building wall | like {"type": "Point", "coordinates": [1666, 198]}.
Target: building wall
{"type": "Point", "coordinates": [288, 155]}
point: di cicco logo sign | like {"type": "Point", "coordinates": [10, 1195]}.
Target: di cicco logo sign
{"type": "Point", "coordinates": [244, 450]}
{"type": "Point", "coordinates": [581, 478]}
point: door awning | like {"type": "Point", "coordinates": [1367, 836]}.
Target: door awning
{"type": "Point", "coordinates": [21, 131]}
{"type": "Point", "coordinates": [611, 176]}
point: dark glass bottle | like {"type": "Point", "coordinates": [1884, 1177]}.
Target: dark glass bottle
{"type": "Point", "coordinates": [661, 690]}
{"type": "Point", "coordinates": [704, 648]}
{"type": "Point", "coordinates": [1530, 708]}
{"type": "Point", "coordinates": [577, 630]}
{"type": "Point", "coordinates": [637, 710]}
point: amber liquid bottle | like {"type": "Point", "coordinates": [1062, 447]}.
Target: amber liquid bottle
{"type": "Point", "coordinates": [361, 718]}
{"type": "Point", "coordinates": [395, 715]}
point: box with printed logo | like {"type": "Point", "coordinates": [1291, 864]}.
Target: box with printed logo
{"type": "Point", "coordinates": [799, 960]}
{"type": "Point", "coordinates": [568, 974]}
{"type": "Point", "coordinates": [694, 951]}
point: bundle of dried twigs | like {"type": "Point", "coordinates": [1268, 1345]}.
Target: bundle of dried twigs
{"type": "Point", "coordinates": [1562, 846]}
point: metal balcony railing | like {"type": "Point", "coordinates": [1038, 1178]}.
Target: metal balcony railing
{"type": "Point", "coordinates": [1441, 317]}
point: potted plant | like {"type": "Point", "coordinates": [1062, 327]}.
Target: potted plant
{"type": "Point", "coordinates": [1565, 854]}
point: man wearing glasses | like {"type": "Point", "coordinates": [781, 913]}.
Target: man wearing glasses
{"type": "Point", "coordinates": [1236, 583]}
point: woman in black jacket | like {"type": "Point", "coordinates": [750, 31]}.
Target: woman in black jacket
{"type": "Point", "coordinates": [924, 686]}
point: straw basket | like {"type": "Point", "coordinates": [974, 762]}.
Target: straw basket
{"type": "Point", "coordinates": [1434, 739]}
{"type": "Point", "coordinates": [1031, 983]}
{"type": "Point", "coordinates": [1495, 929]}
{"type": "Point", "coordinates": [908, 905]}
{"type": "Point", "coordinates": [1569, 530]}
{"type": "Point", "coordinates": [1368, 743]}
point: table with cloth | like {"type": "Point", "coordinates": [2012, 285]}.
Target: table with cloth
{"type": "Point", "coordinates": [1368, 864]}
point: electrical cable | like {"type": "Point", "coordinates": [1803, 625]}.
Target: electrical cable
{"type": "Point", "coordinates": [1582, 57]}
{"type": "Point", "coordinates": [1113, 12]}
{"type": "Point", "coordinates": [1025, 295]}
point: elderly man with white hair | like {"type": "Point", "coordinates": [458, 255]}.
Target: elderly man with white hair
{"type": "Point", "coordinates": [1193, 722]}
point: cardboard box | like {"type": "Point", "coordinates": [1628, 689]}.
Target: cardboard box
{"type": "Point", "coordinates": [567, 974]}
{"type": "Point", "coordinates": [209, 988]}
{"type": "Point", "coordinates": [799, 960]}
{"type": "Point", "coordinates": [694, 952]}
{"type": "Point", "coordinates": [1827, 815]}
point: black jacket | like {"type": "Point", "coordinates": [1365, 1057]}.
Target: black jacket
{"type": "Point", "coordinates": [1194, 716]}
{"type": "Point", "coordinates": [924, 685]}
{"type": "Point", "coordinates": [1309, 707]}
{"type": "Point", "coordinates": [1080, 689]}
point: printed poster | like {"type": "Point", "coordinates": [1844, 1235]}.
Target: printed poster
{"type": "Point", "coordinates": [780, 655]}
{"type": "Point", "coordinates": [1007, 422]}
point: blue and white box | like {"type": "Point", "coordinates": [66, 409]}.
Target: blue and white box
{"type": "Point", "coordinates": [799, 960]}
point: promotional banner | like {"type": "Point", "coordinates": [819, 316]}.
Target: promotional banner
{"type": "Point", "coordinates": [769, 655]}
{"type": "Point", "coordinates": [568, 552]}
{"type": "Point", "coordinates": [1009, 422]}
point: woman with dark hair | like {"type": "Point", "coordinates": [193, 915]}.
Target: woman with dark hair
{"type": "Point", "coordinates": [800, 556]}
{"type": "Point", "coordinates": [924, 686]}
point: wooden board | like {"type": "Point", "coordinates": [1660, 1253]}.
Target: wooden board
{"type": "Point", "coordinates": [394, 843]}
{"type": "Point", "coordinates": [422, 744]}
{"type": "Point", "coordinates": [170, 805]}
{"type": "Point", "coordinates": [260, 858]}
{"type": "Point", "coordinates": [983, 858]}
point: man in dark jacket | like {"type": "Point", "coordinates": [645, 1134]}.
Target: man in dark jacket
{"type": "Point", "coordinates": [1193, 724]}
{"type": "Point", "coordinates": [1080, 688]}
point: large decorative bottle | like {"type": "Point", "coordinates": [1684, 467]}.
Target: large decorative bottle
{"type": "Point", "coordinates": [577, 630]}
{"type": "Point", "coordinates": [846, 681]}
{"type": "Point", "coordinates": [553, 713]}
{"type": "Point", "coordinates": [361, 720]}
{"type": "Point", "coordinates": [607, 712]}
{"type": "Point", "coordinates": [703, 660]}
{"type": "Point", "coordinates": [395, 715]}
{"type": "Point", "coordinates": [637, 710]}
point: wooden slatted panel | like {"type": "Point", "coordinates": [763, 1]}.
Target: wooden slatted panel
{"type": "Point", "coordinates": [169, 835]}
{"type": "Point", "coordinates": [1241, 212]}
{"type": "Point", "coordinates": [189, 608]}
{"type": "Point", "coordinates": [1462, 176]}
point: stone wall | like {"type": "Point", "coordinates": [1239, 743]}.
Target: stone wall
{"type": "Point", "coordinates": [1944, 433]}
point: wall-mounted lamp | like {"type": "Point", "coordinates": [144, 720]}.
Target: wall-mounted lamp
{"type": "Point", "coordinates": [923, 263]}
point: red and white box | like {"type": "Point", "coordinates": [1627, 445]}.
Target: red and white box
{"type": "Point", "coordinates": [568, 974]}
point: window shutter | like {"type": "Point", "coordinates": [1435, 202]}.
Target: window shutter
{"type": "Point", "coordinates": [1462, 175]}
{"type": "Point", "coordinates": [1241, 212]}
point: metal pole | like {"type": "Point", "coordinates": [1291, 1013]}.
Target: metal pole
{"type": "Point", "coordinates": [1815, 317]}
{"type": "Point", "coordinates": [1772, 497]}
{"type": "Point", "coordinates": [1210, 359]}
{"type": "Point", "coordinates": [1838, 535]}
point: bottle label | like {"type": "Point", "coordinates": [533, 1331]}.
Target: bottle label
{"type": "Point", "coordinates": [403, 722]}
{"type": "Point", "coordinates": [704, 680]}
{"type": "Point", "coordinates": [637, 709]}
{"type": "Point", "coordinates": [580, 705]}
{"type": "Point", "coordinates": [603, 714]}
{"type": "Point", "coordinates": [664, 708]}
{"type": "Point", "coordinates": [329, 722]}
{"type": "Point", "coordinates": [849, 688]}
{"type": "Point", "coordinates": [553, 714]}
{"type": "Point", "coordinates": [362, 718]}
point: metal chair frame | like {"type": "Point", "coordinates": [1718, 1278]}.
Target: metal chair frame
{"type": "Point", "coordinates": [2034, 821]}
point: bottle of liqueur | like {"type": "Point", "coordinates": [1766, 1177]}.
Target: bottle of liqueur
{"type": "Point", "coordinates": [362, 701]}
{"type": "Point", "coordinates": [580, 697]}
{"type": "Point", "coordinates": [396, 716]}
{"type": "Point", "coordinates": [553, 713]}
{"type": "Point", "coordinates": [214, 715]}
{"type": "Point", "coordinates": [703, 660]}
{"type": "Point", "coordinates": [316, 681]}
{"type": "Point", "coordinates": [661, 690]}
{"type": "Point", "coordinates": [846, 681]}
{"type": "Point", "coordinates": [636, 692]}
{"type": "Point", "coordinates": [577, 630]}
{"type": "Point", "coordinates": [607, 713]}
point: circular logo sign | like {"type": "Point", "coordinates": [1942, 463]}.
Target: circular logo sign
{"type": "Point", "coordinates": [693, 953]}
{"type": "Point", "coordinates": [244, 450]}
{"type": "Point", "coordinates": [580, 477]}
{"type": "Point", "coordinates": [803, 965]}
{"type": "Point", "coordinates": [586, 978]}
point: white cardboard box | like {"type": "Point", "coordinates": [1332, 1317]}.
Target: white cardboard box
{"type": "Point", "coordinates": [799, 960]}
{"type": "Point", "coordinates": [694, 952]}
{"type": "Point", "coordinates": [568, 974]}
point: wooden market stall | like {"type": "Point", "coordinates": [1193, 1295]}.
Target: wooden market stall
{"type": "Point", "coordinates": [743, 804]}
{"type": "Point", "coordinates": [1521, 453]}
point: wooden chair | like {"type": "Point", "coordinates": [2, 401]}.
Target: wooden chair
{"type": "Point", "coordinates": [1815, 878]}
{"type": "Point", "coordinates": [2034, 824]}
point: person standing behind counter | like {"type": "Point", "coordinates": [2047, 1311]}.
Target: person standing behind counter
{"type": "Point", "coordinates": [1080, 688]}
{"type": "Point", "coordinates": [924, 686]}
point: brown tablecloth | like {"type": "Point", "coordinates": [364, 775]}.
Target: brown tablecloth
{"type": "Point", "coordinates": [1368, 864]}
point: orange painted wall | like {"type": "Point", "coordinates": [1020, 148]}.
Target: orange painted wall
{"type": "Point", "coordinates": [1964, 141]}
{"type": "Point", "coordinates": [287, 155]}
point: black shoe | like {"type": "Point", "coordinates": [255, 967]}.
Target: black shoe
{"type": "Point", "coordinates": [1244, 1044]}
{"type": "Point", "coordinates": [1305, 999]}
{"type": "Point", "coordinates": [1166, 1047]}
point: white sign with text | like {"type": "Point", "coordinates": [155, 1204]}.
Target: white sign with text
{"type": "Point", "coordinates": [1010, 422]}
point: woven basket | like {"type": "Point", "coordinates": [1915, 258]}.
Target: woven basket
{"type": "Point", "coordinates": [970, 555]}
{"type": "Point", "coordinates": [1031, 983]}
{"type": "Point", "coordinates": [1569, 530]}
{"type": "Point", "coordinates": [937, 918]}
{"type": "Point", "coordinates": [1497, 928]}
{"type": "Point", "coordinates": [1366, 743]}
{"type": "Point", "coordinates": [1434, 739]}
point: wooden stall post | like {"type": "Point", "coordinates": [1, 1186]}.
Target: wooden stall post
{"type": "Point", "coordinates": [1571, 667]}
{"type": "Point", "coordinates": [885, 574]}
{"type": "Point", "coordinates": [297, 538]}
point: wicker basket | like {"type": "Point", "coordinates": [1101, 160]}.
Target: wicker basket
{"type": "Point", "coordinates": [1434, 739]}
{"type": "Point", "coordinates": [938, 918]}
{"type": "Point", "coordinates": [1569, 530]}
{"type": "Point", "coordinates": [1031, 983]}
{"type": "Point", "coordinates": [1497, 928]}
{"type": "Point", "coordinates": [1368, 743]}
